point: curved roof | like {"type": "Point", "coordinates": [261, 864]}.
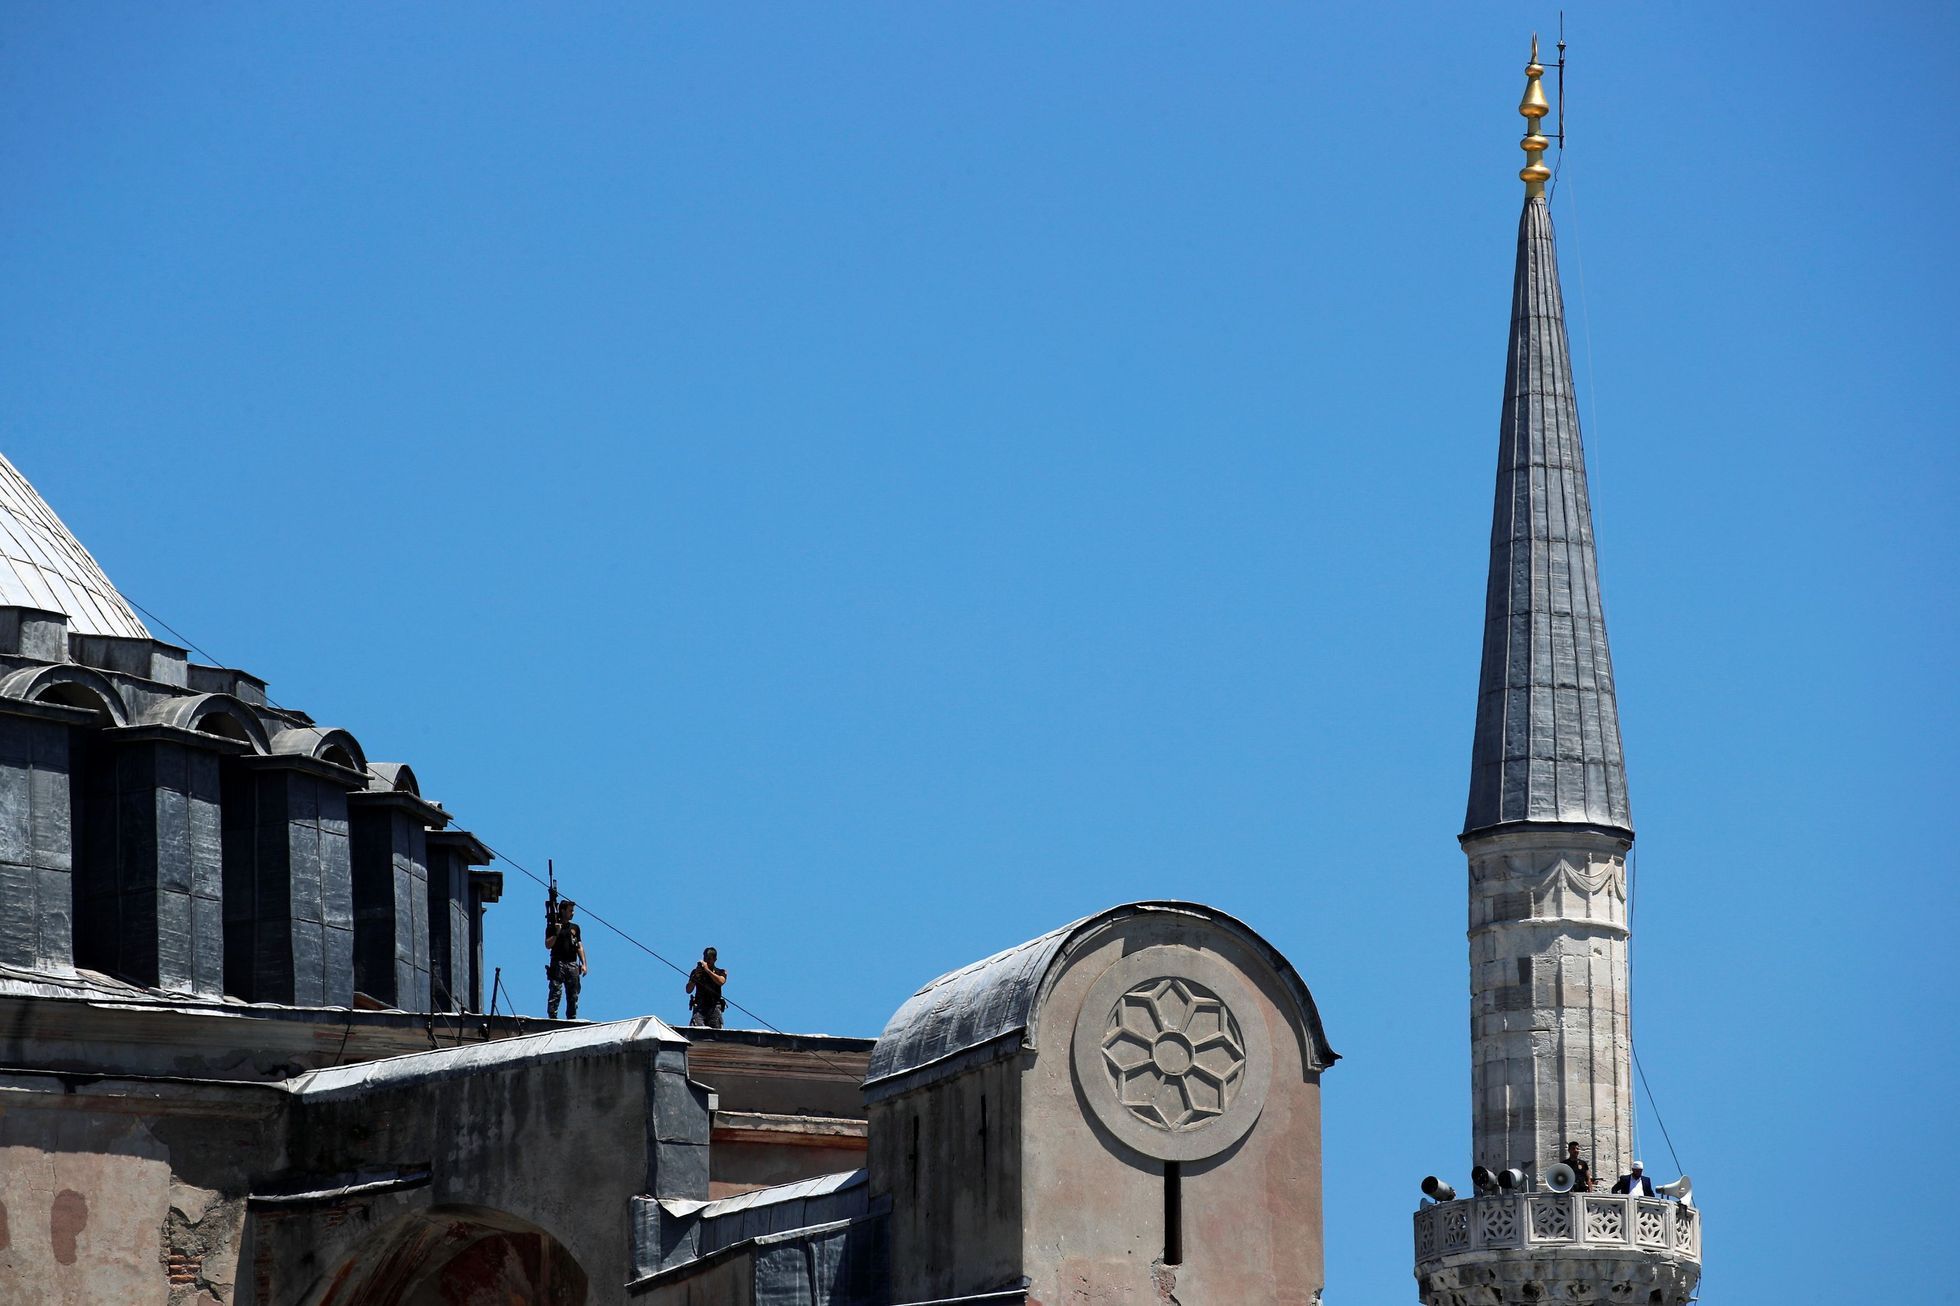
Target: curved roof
{"type": "Point", "coordinates": [42, 565]}
{"type": "Point", "coordinates": [983, 1011]}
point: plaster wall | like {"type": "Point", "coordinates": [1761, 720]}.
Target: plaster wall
{"type": "Point", "coordinates": [742, 1167]}
{"type": "Point", "coordinates": [1095, 1209]}
{"type": "Point", "coordinates": [117, 1031]}
{"type": "Point", "coordinates": [535, 1141]}
{"type": "Point", "coordinates": [787, 1074]}
{"type": "Point", "coordinates": [949, 1157]}
{"type": "Point", "coordinates": [109, 1193]}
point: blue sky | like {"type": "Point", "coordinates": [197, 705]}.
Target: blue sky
{"type": "Point", "coordinates": [861, 486]}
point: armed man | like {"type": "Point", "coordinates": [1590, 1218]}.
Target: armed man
{"type": "Point", "coordinates": [567, 966]}
{"type": "Point", "coordinates": [704, 1002]}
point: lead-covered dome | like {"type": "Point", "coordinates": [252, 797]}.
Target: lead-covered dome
{"type": "Point", "coordinates": [46, 567]}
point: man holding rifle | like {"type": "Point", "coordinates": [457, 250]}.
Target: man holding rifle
{"type": "Point", "coordinates": [566, 968]}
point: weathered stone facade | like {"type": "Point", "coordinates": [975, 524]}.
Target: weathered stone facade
{"type": "Point", "coordinates": [1140, 1115]}
{"type": "Point", "coordinates": [1126, 1109]}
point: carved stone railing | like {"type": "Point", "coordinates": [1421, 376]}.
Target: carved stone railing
{"type": "Point", "coordinates": [1486, 1249]}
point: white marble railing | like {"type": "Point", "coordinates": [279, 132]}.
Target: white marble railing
{"type": "Point", "coordinates": [1527, 1221]}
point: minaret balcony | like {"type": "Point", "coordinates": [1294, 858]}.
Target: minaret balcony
{"type": "Point", "coordinates": [1505, 1248]}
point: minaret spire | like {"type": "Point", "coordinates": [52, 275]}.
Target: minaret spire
{"type": "Point", "coordinates": [1547, 746]}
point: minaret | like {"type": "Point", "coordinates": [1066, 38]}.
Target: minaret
{"type": "Point", "coordinates": [1548, 830]}
{"type": "Point", "coordinates": [1547, 834]}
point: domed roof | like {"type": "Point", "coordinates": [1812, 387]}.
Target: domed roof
{"type": "Point", "coordinates": [42, 565]}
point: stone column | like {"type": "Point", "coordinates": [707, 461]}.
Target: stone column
{"type": "Point", "coordinates": [389, 849]}
{"type": "Point", "coordinates": [288, 880]}
{"type": "Point", "coordinates": [451, 854]}
{"type": "Point", "coordinates": [1551, 1053]}
{"type": "Point", "coordinates": [149, 895]}
{"type": "Point", "coordinates": [37, 786]}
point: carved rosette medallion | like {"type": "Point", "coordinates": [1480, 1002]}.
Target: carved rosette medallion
{"type": "Point", "coordinates": [1174, 1053]}
{"type": "Point", "coordinates": [1171, 1053]}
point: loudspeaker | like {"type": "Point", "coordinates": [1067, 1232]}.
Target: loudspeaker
{"type": "Point", "coordinates": [1559, 1177]}
{"type": "Point", "coordinates": [1436, 1190]}
{"type": "Point", "coordinates": [1681, 1190]}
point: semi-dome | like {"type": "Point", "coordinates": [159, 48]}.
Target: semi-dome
{"type": "Point", "coordinates": [45, 566]}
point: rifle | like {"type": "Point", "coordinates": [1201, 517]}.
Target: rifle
{"type": "Point", "coordinates": [551, 894]}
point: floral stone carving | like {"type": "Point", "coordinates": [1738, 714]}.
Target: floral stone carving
{"type": "Point", "coordinates": [1174, 1053]}
{"type": "Point", "coordinates": [1171, 1053]}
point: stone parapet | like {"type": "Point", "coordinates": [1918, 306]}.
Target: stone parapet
{"type": "Point", "coordinates": [1506, 1249]}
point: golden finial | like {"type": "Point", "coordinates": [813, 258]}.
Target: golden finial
{"type": "Point", "coordinates": [1534, 174]}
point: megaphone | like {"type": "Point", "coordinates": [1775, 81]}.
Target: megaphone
{"type": "Point", "coordinates": [1438, 1191]}
{"type": "Point", "coordinates": [1483, 1179]}
{"type": "Point", "coordinates": [1560, 1177]}
{"type": "Point", "coordinates": [1511, 1180]}
{"type": "Point", "coordinates": [1681, 1190]}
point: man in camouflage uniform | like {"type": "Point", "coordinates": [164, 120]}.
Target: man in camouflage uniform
{"type": "Point", "coordinates": [566, 969]}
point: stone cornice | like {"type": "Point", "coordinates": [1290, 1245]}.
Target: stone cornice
{"type": "Point", "coordinates": [1544, 834]}
{"type": "Point", "coordinates": [421, 809]}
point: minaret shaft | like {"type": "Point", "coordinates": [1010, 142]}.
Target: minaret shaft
{"type": "Point", "coordinates": [1550, 1045]}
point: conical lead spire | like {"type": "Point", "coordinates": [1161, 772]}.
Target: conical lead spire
{"type": "Point", "coordinates": [1548, 727]}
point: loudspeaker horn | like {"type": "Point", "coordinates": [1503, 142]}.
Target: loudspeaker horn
{"type": "Point", "coordinates": [1511, 1180]}
{"type": "Point", "coordinates": [1681, 1190]}
{"type": "Point", "coordinates": [1437, 1191]}
{"type": "Point", "coordinates": [1560, 1177]}
{"type": "Point", "coordinates": [1483, 1179]}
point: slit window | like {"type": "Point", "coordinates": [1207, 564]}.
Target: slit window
{"type": "Point", "coordinates": [1173, 1213]}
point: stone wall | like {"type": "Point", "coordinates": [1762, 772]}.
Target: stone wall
{"type": "Point", "coordinates": [99, 1203]}
{"type": "Point", "coordinates": [950, 1159]}
{"type": "Point", "coordinates": [510, 1166]}
{"type": "Point", "coordinates": [1124, 1110]}
{"type": "Point", "coordinates": [1551, 1051]}
{"type": "Point", "coordinates": [1095, 1183]}
{"type": "Point", "coordinates": [547, 1136]}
